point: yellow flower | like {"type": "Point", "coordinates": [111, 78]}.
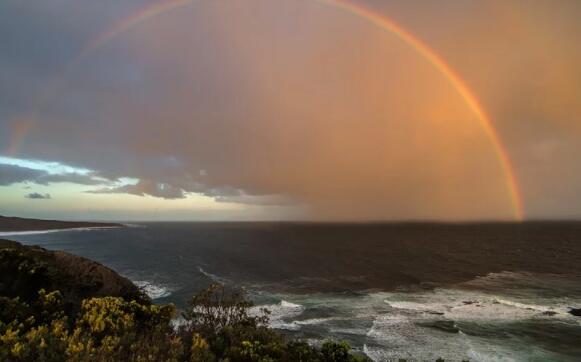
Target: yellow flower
{"type": "Point", "coordinates": [17, 349]}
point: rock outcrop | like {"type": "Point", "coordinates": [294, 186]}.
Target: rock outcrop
{"type": "Point", "coordinates": [24, 270]}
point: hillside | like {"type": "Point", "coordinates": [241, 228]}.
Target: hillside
{"type": "Point", "coordinates": [17, 224]}
{"type": "Point", "coordinates": [58, 307]}
{"type": "Point", "coordinates": [24, 270]}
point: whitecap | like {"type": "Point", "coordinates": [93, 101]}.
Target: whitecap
{"type": "Point", "coordinates": [298, 324]}
{"type": "Point", "coordinates": [280, 314]}
{"type": "Point", "coordinates": [285, 304]}
{"type": "Point", "coordinates": [461, 305]}
{"type": "Point", "coordinates": [178, 322]}
{"type": "Point", "coordinates": [135, 226]}
{"type": "Point", "coordinates": [407, 323]}
{"type": "Point", "coordinates": [213, 277]}
{"type": "Point", "coordinates": [152, 290]}
{"type": "Point", "coordinates": [394, 337]}
{"type": "Point", "coordinates": [313, 321]}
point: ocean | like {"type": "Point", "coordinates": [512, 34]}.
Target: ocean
{"type": "Point", "coordinates": [482, 292]}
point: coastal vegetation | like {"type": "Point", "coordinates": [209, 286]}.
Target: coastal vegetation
{"type": "Point", "coordinates": [50, 310]}
{"type": "Point", "coordinates": [57, 307]}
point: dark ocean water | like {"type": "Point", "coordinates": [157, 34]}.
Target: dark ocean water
{"type": "Point", "coordinates": [484, 292]}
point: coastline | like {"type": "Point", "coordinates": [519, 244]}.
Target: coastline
{"type": "Point", "coordinates": [523, 291]}
{"type": "Point", "coordinates": [24, 226]}
{"type": "Point", "coordinates": [48, 231]}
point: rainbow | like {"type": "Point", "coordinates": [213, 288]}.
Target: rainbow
{"type": "Point", "coordinates": [128, 22]}
{"type": "Point", "coordinates": [20, 128]}
{"type": "Point", "coordinates": [455, 80]}
{"type": "Point", "coordinates": [380, 21]}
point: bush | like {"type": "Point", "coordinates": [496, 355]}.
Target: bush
{"type": "Point", "coordinates": [218, 327]}
{"type": "Point", "coordinates": [106, 329]}
{"type": "Point", "coordinates": [222, 319]}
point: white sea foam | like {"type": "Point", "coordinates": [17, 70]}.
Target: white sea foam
{"type": "Point", "coordinates": [280, 314]}
{"type": "Point", "coordinates": [313, 321]}
{"type": "Point", "coordinates": [473, 322]}
{"type": "Point", "coordinates": [530, 307]}
{"type": "Point", "coordinates": [406, 326]}
{"type": "Point", "coordinates": [461, 305]}
{"type": "Point", "coordinates": [35, 232]}
{"type": "Point", "coordinates": [398, 337]}
{"type": "Point", "coordinates": [154, 291]}
{"type": "Point", "coordinates": [289, 305]}
{"type": "Point", "coordinates": [427, 324]}
{"type": "Point", "coordinates": [135, 226]}
{"type": "Point", "coordinates": [374, 353]}
{"type": "Point", "coordinates": [178, 322]}
{"type": "Point", "coordinates": [298, 324]}
{"type": "Point", "coordinates": [399, 333]}
{"type": "Point", "coordinates": [213, 277]}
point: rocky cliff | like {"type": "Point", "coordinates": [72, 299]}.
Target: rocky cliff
{"type": "Point", "coordinates": [24, 270]}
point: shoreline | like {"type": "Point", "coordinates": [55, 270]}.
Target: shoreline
{"type": "Point", "coordinates": [48, 231]}
{"type": "Point", "coordinates": [25, 226]}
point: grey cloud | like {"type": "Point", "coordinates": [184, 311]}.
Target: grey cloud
{"type": "Point", "coordinates": [260, 200]}
{"type": "Point", "coordinates": [236, 105]}
{"type": "Point", "coordinates": [143, 188]}
{"type": "Point", "coordinates": [171, 191]}
{"type": "Point", "coordinates": [75, 178]}
{"type": "Point", "coordinates": [252, 106]}
{"type": "Point", "coordinates": [39, 38]}
{"type": "Point", "coordinates": [37, 196]}
{"type": "Point", "coordinates": [11, 174]}
{"type": "Point", "coordinates": [14, 174]}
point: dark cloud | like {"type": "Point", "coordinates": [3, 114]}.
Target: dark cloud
{"type": "Point", "coordinates": [37, 196]}
{"type": "Point", "coordinates": [260, 200]}
{"type": "Point", "coordinates": [143, 188]}
{"type": "Point", "coordinates": [242, 102]}
{"type": "Point", "coordinates": [14, 174]}
{"type": "Point", "coordinates": [242, 122]}
{"type": "Point", "coordinates": [40, 37]}
{"type": "Point", "coordinates": [75, 178]}
{"type": "Point", "coordinates": [11, 174]}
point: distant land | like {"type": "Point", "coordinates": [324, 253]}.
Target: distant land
{"type": "Point", "coordinates": [18, 224]}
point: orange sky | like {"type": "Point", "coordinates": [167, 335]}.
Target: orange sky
{"type": "Point", "coordinates": [329, 112]}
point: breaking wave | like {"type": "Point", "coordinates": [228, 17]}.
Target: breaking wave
{"type": "Point", "coordinates": [281, 314]}
{"type": "Point", "coordinates": [153, 291]}
{"type": "Point", "coordinates": [213, 277]}
{"type": "Point", "coordinates": [453, 323]}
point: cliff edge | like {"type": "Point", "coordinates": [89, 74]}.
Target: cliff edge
{"type": "Point", "coordinates": [24, 270]}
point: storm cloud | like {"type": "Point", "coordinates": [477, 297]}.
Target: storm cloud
{"type": "Point", "coordinates": [301, 104]}
{"type": "Point", "coordinates": [143, 188]}
{"type": "Point", "coordinates": [37, 196]}
{"type": "Point", "coordinates": [12, 174]}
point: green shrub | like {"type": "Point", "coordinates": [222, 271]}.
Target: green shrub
{"type": "Point", "coordinates": [218, 327]}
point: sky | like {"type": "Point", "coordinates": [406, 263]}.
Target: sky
{"type": "Point", "coordinates": [290, 110]}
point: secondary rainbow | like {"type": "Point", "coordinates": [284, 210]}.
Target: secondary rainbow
{"type": "Point", "coordinates": [380, 21]}
{"type": "Point", "coordinates": [128, 22]}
